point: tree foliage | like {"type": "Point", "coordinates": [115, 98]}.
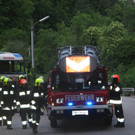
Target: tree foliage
{"type": "Point", "coordinates": [110, 41]}
{"type": "Point", "coordinates": [45, 50]}
{"type": "Point", "coordinates": [107, 24]}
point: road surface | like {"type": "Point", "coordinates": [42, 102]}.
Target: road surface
{"type": "Point", "coordinates": [79, 127]}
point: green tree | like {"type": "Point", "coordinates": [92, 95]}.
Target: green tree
{"type": "Point", "coordinates": [129, 17]}
{"type": "Point", "coordinates": [109, 42]}
{"type": "Point", "coordinates": [123, 12]}
{"type": "Point", "coordinates": [80, 22]}
{"type": "Point", "coordinates": [45, 50]}
{"type": "Point", "coordinates": [58, 10]}
{"type": "Point", "coordinates": [16, 40]}
{"type": "Point", "coordinates": [65, 36]}
{"type": "Point", "coordinates": [116, 12]}
{"type": "Point", "coordinates": [16, 13]}
{"type": "Point", "coordinates": [126, 50]}
{"type": "Point", "coordinates": [90, 36]}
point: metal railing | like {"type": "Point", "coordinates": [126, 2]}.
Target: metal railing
{"type": "Point", "coordinates": [130, 89]}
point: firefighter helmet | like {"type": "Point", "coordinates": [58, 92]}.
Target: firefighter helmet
{"type": "Point", "coordinates": [41, 77]}
{"type": "Point", "coordinates": [2, 78]}
{"type": "Point", "coordinates": [23, 82]}
{"type": "Point", "coordinates": [41, 80]}
{"type": "Point", "coordinates": [38, 82]}
{"type": "Point", "coordinates": [7, 81]}
{"type": "Point", "coordinates": [116, 78]}
{"type": "Point", "coordinates": [21, 77]}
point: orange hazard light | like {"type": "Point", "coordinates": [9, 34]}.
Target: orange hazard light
{"type": "Point", "coordinates": [77, 64]}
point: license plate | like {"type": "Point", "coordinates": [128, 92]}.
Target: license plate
{"type": "Point", "coordinates": [80, 112]}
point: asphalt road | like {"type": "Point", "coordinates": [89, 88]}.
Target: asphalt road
{"type": "Point", "coordinates": [79, 127]}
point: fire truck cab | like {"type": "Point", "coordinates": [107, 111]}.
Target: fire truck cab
{"type": "Point", "coordinates": [78, 86]}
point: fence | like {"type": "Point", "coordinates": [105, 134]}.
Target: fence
{"type": "Point", "coordinates": [128, 91]}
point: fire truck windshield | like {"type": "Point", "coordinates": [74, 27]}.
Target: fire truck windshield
{"type": "Point", "coordinates": [91, 81]}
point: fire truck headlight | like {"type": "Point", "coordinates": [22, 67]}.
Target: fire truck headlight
{"type": "Point", "coordinates": [59, 100]}
{"type": "Point", "coordinates": [99, 99]}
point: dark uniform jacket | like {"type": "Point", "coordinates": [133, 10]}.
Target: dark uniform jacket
{"type": "Point", "coordinates": [23, 98]}
{"type": "Point", "coordinates": [37, 98]}
{"type": "Point", "coordinates": [0, 93]}
{"type": "Point", "coordinates": [115, 91]}
{"type": "Point", "coordinates": [8, 98]}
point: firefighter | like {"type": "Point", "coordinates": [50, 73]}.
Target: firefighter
{"type": "Point", "coordinates": [115, 98]}
{"type": "Point", "coordinates": [8, 101]}
{"type": "Point", "coordinates": [15, 85]}
{"type": "Point", "coordinates": [1, 114]}
{"type": "Point", "coordinates": [21, 77]}
{"type": "Point", "coordinates": [45, 94]}
{"type": "Point", "coordinates": [37, 98]}
{"type": "Point", "coordinates": [44, 89]}
{"type": "Point", "coordinates": [23, 103]}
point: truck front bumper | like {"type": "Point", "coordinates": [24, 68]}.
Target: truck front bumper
{"type": "Point", "coordinates": [69, 112]}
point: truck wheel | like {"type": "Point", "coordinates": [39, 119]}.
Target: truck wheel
{"type": "Point", "coordinates": [53, 123]}
{"type": "Point", "coordinates": [108, 121]}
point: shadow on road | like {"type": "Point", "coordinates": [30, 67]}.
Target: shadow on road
{"type": "Point", "coordinates": [81, 125]}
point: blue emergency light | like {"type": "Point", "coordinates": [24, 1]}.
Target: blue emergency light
{"type": "Point", "coordinates": [70, 104]}
{"type": "Point", "coordinates": [88, 103]}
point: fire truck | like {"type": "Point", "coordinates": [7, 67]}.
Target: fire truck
{"type": "Point", "coordinates": [12, 65]}
{"type": "Point", "coordinates": [78, 86]}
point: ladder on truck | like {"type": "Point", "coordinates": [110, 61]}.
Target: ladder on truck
{"type": "Point", "coordinates": [78, 51]}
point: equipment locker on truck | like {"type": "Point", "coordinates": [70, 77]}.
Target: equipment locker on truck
{"type": "Point", "coordinates": [78, 86]}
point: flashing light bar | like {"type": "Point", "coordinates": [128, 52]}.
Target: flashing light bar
{"type": "Point", "coordinates": [89, 103]}
{"type": "Point", "coordinates": [77, 64]}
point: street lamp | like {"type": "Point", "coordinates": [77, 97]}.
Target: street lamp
{"type": "Point", "coordinates": [32, 38]}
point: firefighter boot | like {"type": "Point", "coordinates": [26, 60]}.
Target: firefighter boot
{"type": "Point", "coordinates": [118, 125]}
{"type": "Point", "coordinates": [4, 122]}
{"type": "Point", "coordinates": [34, 129]}
{"type": "Point", "coordinates": [9, 127]}
{"type": "Point", "coordinates": [30, 124]}
{"type": "Point", "coordinates": [24, 126]}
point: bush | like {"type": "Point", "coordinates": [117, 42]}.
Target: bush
{"type": "Point", "coordinates": [128, 78]}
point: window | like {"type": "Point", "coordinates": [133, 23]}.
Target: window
{"type": "Point", "coordinates": [79, 81]}
{"type": "Point", "coordinates": [9, 67]}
